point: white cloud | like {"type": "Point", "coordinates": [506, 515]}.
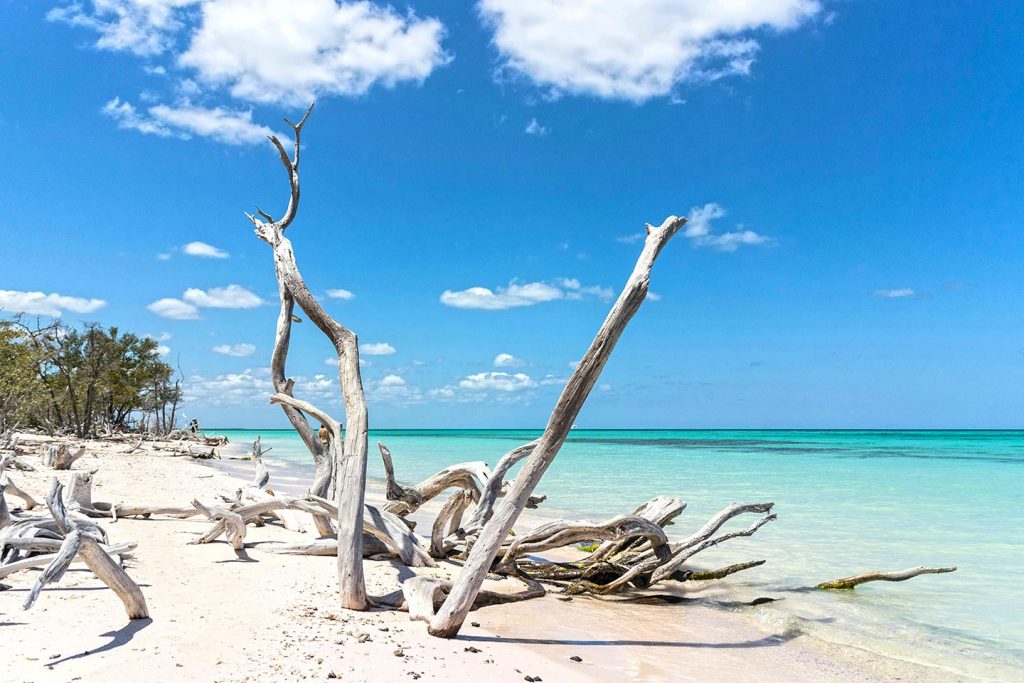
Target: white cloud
{"type": "Point", "coordinates": [605, 387]}
{"type": "Point", "coordinates": [653, 296]}
{"type": "Point", "coordinates": [895, 293]}
{"type": "Point", "coordinates": [204, 250]}
{"type": "Point", "coordinates": [511, 297]}
{"type": "Point", "coordinates": [497, 381]}
{"type": "Point", "coordinates": [535, 128]}
{"type": "Point", "coordinates": [632, 49]}
{"type": "Point", "coordinates": [53, 304]}
{"type": "Point", "coordinates": [528, 294]}
{"type": "Point", "coordinates": [236, 350]}
{"type": "Point", "coordinates": [163, 350]}
{"type": "Point", "coordinates": [630, 239]}
{"type": "Point", "coordinates": [231, 296]}
{"type": "Point", "coordinates": [507, 360]}
{"type": "Point", "coordinates": [576, 292]}
{"type": "Point", "coordinates": [395, 390]}
{"type": "Point", "coordinates": [175, 309]}
{"type": "Point", "coordinates": [249, 387]}
{"type": "Point", "coordinates": [162, 337]}
{"type": "Point", "coordinates": [230, 126]}
{"type": "Point", "coordinates": [292, 51]}
{"type": "Point", "coordinates": [143, 27]}
{"type": "Point", "coordinates": [699, 230]}
{"type": "Point", "coordinates": [342, 294]}
{"type": "Point", "coordinates": [377, 349]}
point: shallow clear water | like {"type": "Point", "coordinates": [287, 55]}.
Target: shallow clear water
{"type": "Point", "coordinates": [848, 501]}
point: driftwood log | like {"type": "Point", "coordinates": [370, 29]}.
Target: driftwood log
{"type": "Point", "coordinates": [80, 541]}
{"type": "Point", "coordinates": [350, 467]}
{"type": "Point", "coordinates": [61, 457]}
{"type": "Point", "coordinates": [448, 620]}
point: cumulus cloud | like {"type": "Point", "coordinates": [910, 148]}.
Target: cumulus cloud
{"type": "Point", "coordinates": [175, 309]}
{"type": "Point", "coordinates": [230, 126]}
{"type": "Point", "coordinates": [342, 294]}
{"type": "Point", "coordinates": [497, 381]}
{"type": "Point", "coordinates": [377, 349]}
{"type": "Point", "coordinates": [535, 128]}
{"type": "Point", "coordinates": [143, 27]}
{"type": "Point", "coordinates": [523, 294]}
{"type": "Point", "coordinates": [513, 296]}
{"type": "Point", "coordinates": [901, 293]}
{"type": "Point", "coordinates": [236, 350]}
{"type": "Point", "coordinates": [310, 48]}
{"type": "Point", "coordinates": [284, 51]}
{"type": "Point", "coordinates": [393, 389]}
{"type": "Point", "coordinates": [632, 49]}
{"type": "Point", "coordinates": [699, 230]}
{"type": "Point", "coordinates": [162, 350]}
{"type": "Point", "coordinates": [251, 386]}
{"type": "Point", "coordinates": [231, 296]}
{"type": "Point", "coordinates": [507, 360]}
{"type": "Point", "coordinates": [574, 291]}
{"type": "Point", "coordinates": [53, 304]}
{"type": "Point", "coordinates": [204, 250]}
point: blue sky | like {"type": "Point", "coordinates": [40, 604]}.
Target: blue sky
{"type": "Point", "coordinates": [854, 170]}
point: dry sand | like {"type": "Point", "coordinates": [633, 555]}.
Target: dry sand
{"type": "Point", "coordinates": [256, 616]}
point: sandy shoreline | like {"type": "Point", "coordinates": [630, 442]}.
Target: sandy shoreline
{"type": "Point", "coordinates": [259, 616]}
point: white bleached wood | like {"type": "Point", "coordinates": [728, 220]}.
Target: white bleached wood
{"type": "Point", "coordinates": [493, 488]}
{"type": "Point", "coordinates": [81, 540]}
{"type": "Point", "coordinates": [850, 582]}
{"type": "Point", "coordinates": [560, 534]}
{"type": "Point", "coordinates": [350, 481]}
{"type": "Point", "coordinates": [43, 560]}
{"type": "Point", "coordinates": [448, 620]}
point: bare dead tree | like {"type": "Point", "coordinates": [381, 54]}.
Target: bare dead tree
{"type": "Point", "coordinates": [448, 620]}
{"type": "Point", "coordinates": [350, 455]}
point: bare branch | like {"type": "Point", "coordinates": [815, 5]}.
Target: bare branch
{"type": "Point", "coordinates": [448, 620]}
{"type": "Point", "coordinates": [851, 582]}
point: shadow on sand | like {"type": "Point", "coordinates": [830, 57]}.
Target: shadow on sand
{"type": "Point", "coordinates": [121, 636]}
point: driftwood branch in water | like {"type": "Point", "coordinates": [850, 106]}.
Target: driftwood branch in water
{"type": "Point", "coordinates": [851, 582]}
{"type": "Point", "coordinates": [448, 620]}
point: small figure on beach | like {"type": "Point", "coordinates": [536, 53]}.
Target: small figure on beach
{"type": "Point", "coordinates": [325, 435]}
{"type": "Point", "coordinates": [194, 426]}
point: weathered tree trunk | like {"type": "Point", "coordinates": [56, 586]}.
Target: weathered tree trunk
{"type": "Point", "coordinates": [351, 470]}
{"type": "Point", "coordinates": [448, 620]}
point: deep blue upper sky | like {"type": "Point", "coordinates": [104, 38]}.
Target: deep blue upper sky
{"type": "Point", "coordinates": [859, 167]}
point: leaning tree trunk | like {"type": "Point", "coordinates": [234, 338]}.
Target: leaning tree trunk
{"type": "Point", "coordinates": [448, 620]}
{"type": "Point", "coordinates": [351, 469]}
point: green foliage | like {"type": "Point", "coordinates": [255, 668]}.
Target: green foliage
{"type": "Point", "coordinates": [83, 380]}
{"type": "Point", "coordinates": [588, 547]}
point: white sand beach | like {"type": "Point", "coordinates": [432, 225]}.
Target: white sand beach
{"type": "Point", "coordinates": [255, 616]}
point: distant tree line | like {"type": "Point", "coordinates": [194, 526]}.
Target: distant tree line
{"type": "Point", "coordinates": [85, 381]}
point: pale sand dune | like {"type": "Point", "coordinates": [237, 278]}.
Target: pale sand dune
{"type": "Point", "coordinates": [265, 617]}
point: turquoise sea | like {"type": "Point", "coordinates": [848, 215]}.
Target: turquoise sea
{"type": "Point", "coordinates": [847, 501]}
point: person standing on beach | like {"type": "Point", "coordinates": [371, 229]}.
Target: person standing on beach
{"type": "Point", "coordinates": [325, 436]}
